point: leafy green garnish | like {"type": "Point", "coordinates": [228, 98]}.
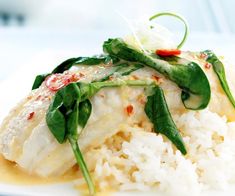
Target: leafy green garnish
{"type": "Point", "coordinates": [187, 75]}
{"type": "Point", "coordinates": [69, 112]}
{"type": "Point", "coordinates": [66, 113]}
{"type": "Point", "coordinates": [121, 69]}
{"type": "Point", "coordinates": [39, 80]}
{"type": "Point", "coordinates": [157, 110]}
{"type": "Point", "coordinates": [66, 65]}
{"type": "Point", "coordinates": [218, 67]}
{"type": "Point", "coordinates": [175, 16]}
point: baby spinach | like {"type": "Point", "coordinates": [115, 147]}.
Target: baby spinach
{"type": "Point", "coordinates": [69, 112]}
{"type": "Point", "coordinates": [66, 65]}
{"type": "Point", "coordinates": [85, 109]}
{"type": "Point", "coordinates": [39, 80]}
{"type": "Point", "coordinates": [121, 69]}
{"type": "Point", "coordinates": [157, 111]}
{"type": "Point", "coordinates": [187, 75]}
{"type": "Point", "coordinates": [218, 68]}
{"type": "Point", "coordinates": [65, 115]}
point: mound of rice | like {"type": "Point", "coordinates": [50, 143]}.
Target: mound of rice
{"type": "Point", "coordinates": [134, 159]}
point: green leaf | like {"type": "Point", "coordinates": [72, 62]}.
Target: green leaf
{"type": "Point", "coordinates": [70, 110]}
{"type": "Point", "coordinates": [187, 75]}
{"type": "Point", "coordinates": [39, 80]}
{"type": "Point", "coordinates": [96, 60]}
{"type": "Point", "coordinates": [71, 93]}
{"type": "Point", "coordinates": [82, 165]}
{"type": "Point", "coordinates": [157, 111]}
{"type": "Point", "coordinates": [129, 68]}
{"type": "Point", "coordinates": [90, 89]}
{"type": "Point", "coordinates": [85, 109]}
{"type": "Point", "coordinates": [121, 69]}
{"type": "Point", "coordinates": [66, 65]}
{"type": "Point", "coordinates": [87, 90]}
{"type": "Point", "coordinates": [72, 121]}
{"type": "Point", "coordinates": [56, 123]}
{"type": "Point", "coordinates": [55, 118]}
{"type": "Point", "coordinates": [218, 68]}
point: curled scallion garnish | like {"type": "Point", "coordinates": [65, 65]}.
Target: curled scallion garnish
{"type": "Point", "coordinates": [176, 16]}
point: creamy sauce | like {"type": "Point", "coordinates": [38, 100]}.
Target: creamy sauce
{"type": "Point", "coordinates": [11, 173]}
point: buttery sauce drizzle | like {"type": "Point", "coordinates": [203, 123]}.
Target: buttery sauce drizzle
{"type": "Point", "coordinates": [11, 173]}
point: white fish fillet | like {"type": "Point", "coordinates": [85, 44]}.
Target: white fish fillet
{"type": "Point", "coordinates": [30, 143]}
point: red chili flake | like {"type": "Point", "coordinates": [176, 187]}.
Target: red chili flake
{"type": "Point", "coordinates": [111, 77]}
{"type": "Point", "coordinates": [129, 110]}
{"type": "Point", "coordinates": [81, 75]}
{"type": "Point", "coordinates": [207, 65]}
{"type": "Point", "coordinates": [102, 95]}
{"type": "Point", "coordinates": [31, 115]}
{"type": "Point", "coordinates": [57, 81]}
{"type": "Point", "coordinates": [157, 79]}
{"type": "Point", "coordinates": [141, 99]}
{"type": "Point", "coordinates": [202, 55]}
{"type": "Point", "coordinates": [166, 52]}
{"type": "Point", "coordinates": [135, 77]}
{"type": "Point", "coordinates": [38, 97]}
{"type": "Point", "coordinates": [154, 77]}
{"type": "Point", "coordinates": [29, 97]}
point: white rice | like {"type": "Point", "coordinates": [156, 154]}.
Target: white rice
{"type": "Point", "coordinates": [135, 159]}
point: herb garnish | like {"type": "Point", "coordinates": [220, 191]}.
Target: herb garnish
{"type": "Point", "coordinates": [157, 110]}
{"type": "Point", "coordinates": [66, 65]}
{"type": "Point", "coordinates": [218, 67]}
{"type": "Point", "coordinates": [187, 75]}
{"type": "Point", "coordinates": [178, 17]}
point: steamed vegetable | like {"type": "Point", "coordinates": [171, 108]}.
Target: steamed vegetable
{"type": "Point", "coordinates": [187, 75]}
{"type": "Point", "coordinates": [218, 67]}
{"type": "Point", "coordinates": [157, 110]}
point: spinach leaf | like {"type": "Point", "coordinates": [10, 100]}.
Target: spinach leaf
{"type": "Point", "coordinates": [94, 60]}
{"type": "Point", "coordinates": [218, 68]}
{"type": "Point", "coordinates": [59, 69]}
{"type": "Point", "coordinates": [85, 109]}
{"type": "Point", "coordinates": [70, 110]}
{"type": "Point", "coordinates": [157, 111]}
{"type": "Point", "coordinates": [64, 116]}
{"type": "Point", "coordinates": [187, 75]}
{"type": "Point", "coordinates": [121, 69]}
{"type": "Point", "coordinates": [55, 118]}
{"type": "Point", "coordinates": [90, 89]}
{"type": "Point", "coordinates": [66, 65]}
{"type": "Point", "coordinates": [39, 80]}
{"type": "Point", "coordinates": [72, 121]}
{"type": "Point", "coordinates": [82, 165]}
{"type": "Point", "coordinates": [61, 112]}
